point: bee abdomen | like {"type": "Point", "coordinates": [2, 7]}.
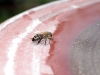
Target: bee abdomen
{"type": "Point", "coordinates": [37, 37]}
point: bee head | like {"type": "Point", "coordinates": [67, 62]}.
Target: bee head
{"type": "Point", "coordinates": [50, 36]}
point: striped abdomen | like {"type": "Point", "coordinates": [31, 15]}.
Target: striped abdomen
{"type": "Point", "coordinates": [37, 37]}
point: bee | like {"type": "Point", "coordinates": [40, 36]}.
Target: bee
{"type": "Point", "coordinates": [43, 35]}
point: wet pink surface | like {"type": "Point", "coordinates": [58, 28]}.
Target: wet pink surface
{"type": "Point", "coordinates": [32, 59]}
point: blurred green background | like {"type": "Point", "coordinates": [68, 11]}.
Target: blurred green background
{"type": "Point", "coordinates": [9, 8]}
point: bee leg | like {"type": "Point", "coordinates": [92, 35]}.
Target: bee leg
{"type": "Point", "coordinates": [45, 41]}
{"type": "Point", "coordinates": [50, 40]}
{"type": "Point", "coordinates": [39, 41]}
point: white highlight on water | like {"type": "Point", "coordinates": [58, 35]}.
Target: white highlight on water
{"type": "Point", "coordinates": [9, 68]}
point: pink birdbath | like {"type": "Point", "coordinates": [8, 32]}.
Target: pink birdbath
{"type": "Point", "coordinates": [74, 50]}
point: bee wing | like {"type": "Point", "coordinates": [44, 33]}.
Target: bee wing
{"type": "Point", "coordinates": [37, 32]}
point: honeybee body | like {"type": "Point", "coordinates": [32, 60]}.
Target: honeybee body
{"type": "Point", "coordinates": [43, 35]}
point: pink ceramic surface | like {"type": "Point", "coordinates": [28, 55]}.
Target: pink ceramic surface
{"type": "Point", "coordinates": [68, 21]}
